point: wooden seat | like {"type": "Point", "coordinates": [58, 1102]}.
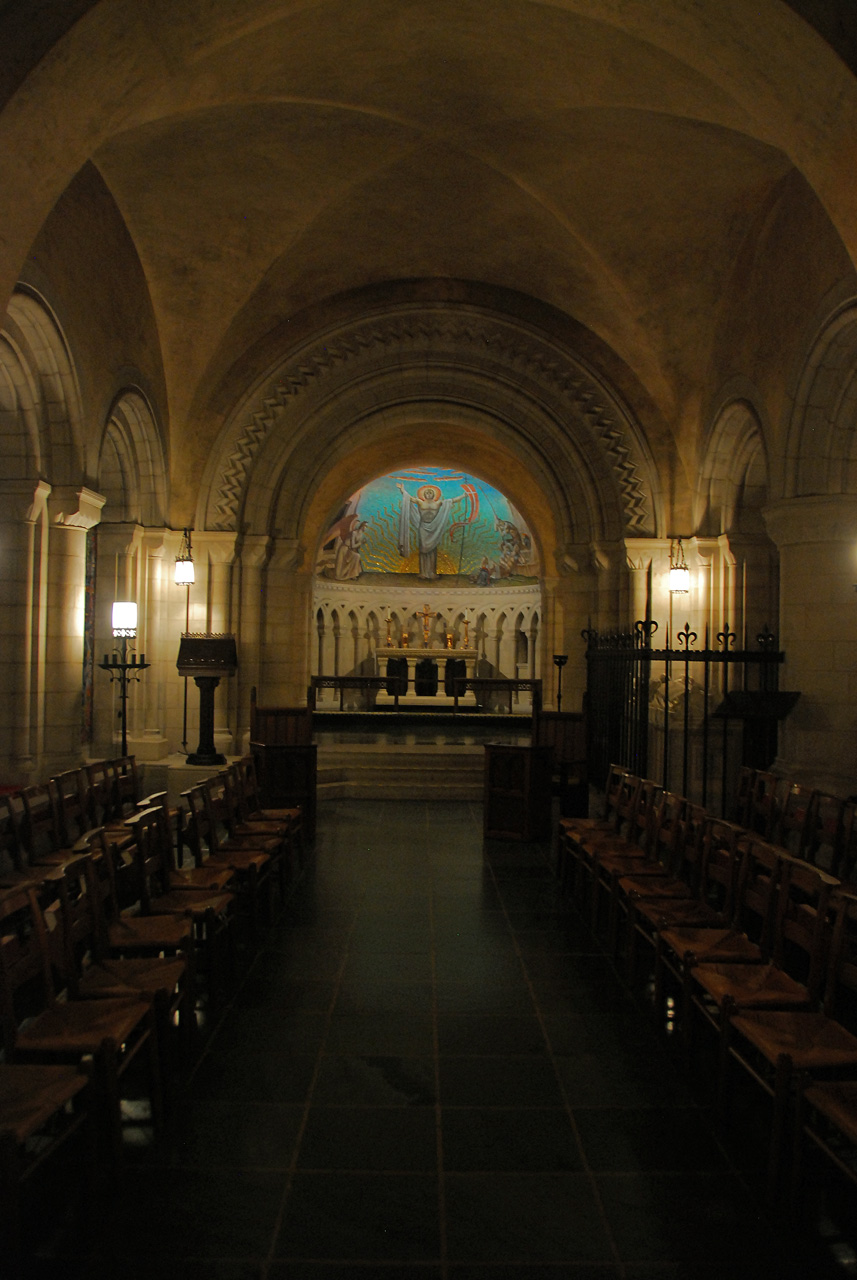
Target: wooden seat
{"type": "Point", "coordinates": [748, 877]}
{"type": "Point", "coordinates": [210, 910]}
{"type": "Point", "coordinates": [253, 809]}
{"type": "Point", "coordinates": [274, 834]}
{"type": "Point", "coordinates": [793, 976]}
{"type": "Point", "coordinates": [630, 842]}
{"type": "Point", "coordinates": [93, 974]}
{"type": "Point", "coordinates": [40, 1025]}
{"type": "Point", "coordinates": [794, 820]}
{"type": "Point", "coordinates": [171, 824]}
{"type": "Point", "coordinates": [210, 843]}
{"type": "Point", "coordinates": [42, 837]}
{"type": "Point", "coordinates": [783, 1049]}
{"type": "Point", "coordinates": [72, 804]}
{"type": "Point", "coordinates": [656, 866]}
{"type": "Point", "coordinates": [44, 1109]}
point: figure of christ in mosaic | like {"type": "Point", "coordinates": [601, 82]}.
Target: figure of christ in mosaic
{"type": "Point", "coordinates": [430, 514]}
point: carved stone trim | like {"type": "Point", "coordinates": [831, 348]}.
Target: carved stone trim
{"type": "Point", "coordinates": [423, 337]}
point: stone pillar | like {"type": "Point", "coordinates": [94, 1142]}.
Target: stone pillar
{"type": "Point", "coordinates": [218, 551]}
{"type": "Point", "coordinates": [507, 654]}
{"type": "Point", "coordinates": [817, 540]}
{"type": "Point", "coordinates": [248, 633]}
{"type": "Point", "coordinates": [147, 733]}
{"type": "Point", "coordinates": [285, 662]}
{"type": "Point", "coordinates": [71, 513]}
{"type": "Point", "coordinates": [23, 533]}
{"type": "Point", "coordinates": [328, 655]}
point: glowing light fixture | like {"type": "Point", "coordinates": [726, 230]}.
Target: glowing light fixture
{"type": "Point", "coordinates": [124, 619]}
{"type": "Point", "coordinates": [679, 572]}
{"type": "Point", "coordinates": [184, 562]}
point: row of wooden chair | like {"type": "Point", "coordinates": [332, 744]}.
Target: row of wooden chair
{"type": "Point", "coordinates": [39, 824]}
{"type": "Point", "coordinates": [747, 936]}
{"type": "Point", "coordinates": [104, 945]}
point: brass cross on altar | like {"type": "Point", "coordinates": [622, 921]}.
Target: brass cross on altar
{"type": "Point", "coordinates": [425, 615]}
{"type": "Point", "coordinates": [389, 622]}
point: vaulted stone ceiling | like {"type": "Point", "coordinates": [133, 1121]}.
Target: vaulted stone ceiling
{"type": "Point", "coordinates": [627, 162]}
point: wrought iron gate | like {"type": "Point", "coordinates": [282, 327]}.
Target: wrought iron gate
{"type": "Point", "coordinates": [688, 717]}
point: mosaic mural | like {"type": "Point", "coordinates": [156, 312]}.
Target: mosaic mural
{"type": "Point", "coordinates": [429, 522]}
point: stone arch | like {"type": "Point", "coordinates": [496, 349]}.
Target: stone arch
{"type": "Point", "coordinates": [821, 442]}
{"type": "Point", "coordinates": [733, 475]}
{"type": "Point", "coordinates": [19, 414]}
{"type": "Point", "coordinates": [494, 393]}
{"type": "Point", "coordinates": [54, 395]}
{"type": "Point", "coordinates": [131, 465]}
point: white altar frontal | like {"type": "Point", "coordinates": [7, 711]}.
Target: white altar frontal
{"type": "Point", "coordinates": [410, 697]}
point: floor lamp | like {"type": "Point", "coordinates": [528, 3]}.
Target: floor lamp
{"type": "Point", "coordinates": [119, 666]}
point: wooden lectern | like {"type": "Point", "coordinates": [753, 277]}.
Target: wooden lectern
{"type": "Point", "coordinates": [206, 658]}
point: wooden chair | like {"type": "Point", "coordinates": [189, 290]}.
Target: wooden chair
{"type": "Point", "coordinates": [126, 787]}
{"type": "Point", "coordinates": [93, 974]}
{"type": "Point", "coordinates": [42, 837]}
{"type": "Point", "coordinates": [793, 976]}
{"type": "Point", "coordinates": [845, 865]}
{"type": "Point", "coordinates": [171, 828]}
{"type": "Point", "coordinates": [45, 1109]}
{"type": "Point", "coordinates": [72, 805]}
{"type": "Point", "coordinates": [210, 910]}
{"type": "Point", "coordinates": [743, 876]}
{"type": "Point", "coordinates": [652, 863]}
{"type": "Point", "coordinates": [742, 800]}
{"type": "Point", "coordinates": [795, 815]}
{"type": "Point", "coordinates": [764, 805]}
{"type": "Point", "coordinates": [781, 1048]}
{"type": "Point", "coordinates": [274, 835]}
{"type": "Point", "coordinates": [630, 842]}
{"type": "Point", "coordinates": [126, 932]}
{"type": "Point", "coordinates": [252, 808]}
{"type": "Point", "coordinates": [41, 1026]}
{"type": "Point", "coordinates": [577, 837]}
{"type": "Point", "coordinates": [826, 843]}
{"type": "Point", "coordinates": [99, 776]}
{"type": "Point", "coordinates": [13, 867]}
{"type": "Point", "coordinates": [211, 844]}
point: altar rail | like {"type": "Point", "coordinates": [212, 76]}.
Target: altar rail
{"type": "Point", "coordinates": [483, 687]}
{"type": "Point", "coordinates": [688, 717]}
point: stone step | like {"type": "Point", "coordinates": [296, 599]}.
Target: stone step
{"type": "Point", "coordinates": [400, 771]}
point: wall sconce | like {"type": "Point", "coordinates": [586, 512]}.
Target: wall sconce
{"type": "Point", "coordinates": [185, 576]}
{"type": "Point", "coordinates": [679, 572]}
{"type": "Point", "coordinates": [120, 668]}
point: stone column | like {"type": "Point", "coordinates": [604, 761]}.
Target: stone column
{"type": "Point", "coordinates": [23, 533]}
{"type": "Point", "coordinates": [817, 540]}
{"type": "Point", "coordinates": [285, 657]}
{"type": "Point", "coordinates": [248, 632]}
{"type": "Point", "coordinates": [217, 550]}
{"type": "Point", "coordinates": [148, 739]}
{"type": "Point", "coordinates": [72, 512]}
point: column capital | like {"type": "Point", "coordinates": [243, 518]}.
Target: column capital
{"type": "Point", "coordinates": [254, 550]}
{"type": "Point", "coordinates": [640, 552]}
{"type": "Point", "coordinates": [23, 500]}
{"type": "Point", "coordinates": [219, 548]}
{"type": "Point", "coordinates": [821, 518]}
{"type": "Point", "coordinates": [75, 508]}
{"type": "Point", "coordinates": [120, 538]}
{"type": "Point", "coordinates": [287, 553]}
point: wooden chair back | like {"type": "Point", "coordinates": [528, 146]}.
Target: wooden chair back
{"type": "Point", "coordinates": [667, 829]}
{"type": "Point", "coordinates": [72, 801]}
{"type": "Point", "coordinates": [802, 923]}
{"type": "Point", "coordinates": [26, 969]}
{"type": "Point", "coordinates": [794, 820]}
{"type": "Point", "coordinates": [100, 792]}
{"type": "Point", "coordinates": [840, 990]}
{"type": "Point", "coordinates": [824, 846]}
{"type": "Point", "coordinates": [756, 893]}
{"type": "Point", "coordinates": [152, 859]}
{"type": "Point", "coordinates": [763, 811]}
{"type": "Point", "coordinates": [845, 866]}
{"type": "Point", "coordinates": [11, 854]}
{"type": "Point", "coordinates": [126, 788]}
{"type": "Point", "coordinates": [720, 865]}
{"type": "Point", "coordinates": [40, 830]}
{"type": "Point", "coordinates": [743, 799]}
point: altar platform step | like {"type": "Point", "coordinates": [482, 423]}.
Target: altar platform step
{"type": "Point", "coordinates": [400, 771]}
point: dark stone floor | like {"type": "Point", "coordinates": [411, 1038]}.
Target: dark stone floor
{"type": "Point", "coordinates": [432, 1071]}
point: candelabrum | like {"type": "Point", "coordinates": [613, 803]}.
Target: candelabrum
{"type": "Point", "coordinates": [559, 661]}
{"type": "Point", "coordinates": [124, 668]}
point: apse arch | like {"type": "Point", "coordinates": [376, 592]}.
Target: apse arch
{"type": "Point", "coordinates": [474, 387]}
